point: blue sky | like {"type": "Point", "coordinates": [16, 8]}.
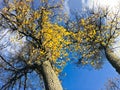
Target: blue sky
{"type": "Point", "coordinates": [87, 78]}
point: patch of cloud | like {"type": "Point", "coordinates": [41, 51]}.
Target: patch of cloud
{"type": "Point", "coordinates": [10, 46]}
{"type": "Point", "coordinates": [113, 5]}
{"type": "Point", "coordinates": [66, 7]}
{"type": "Point", "coordinates": [83, 1]}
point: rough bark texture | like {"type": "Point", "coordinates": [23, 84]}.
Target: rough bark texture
{"type": "Point", "coordinates": [51, 80]}
{"type": "Point", "coordinates": [113, 59]}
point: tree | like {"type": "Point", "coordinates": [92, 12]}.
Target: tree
{"type": "Point", "coordinates": [113, 84]}
{"type": "Point", "coordinates": [95, 34]}
{"type": "Point", "coordinates": [47, 41]}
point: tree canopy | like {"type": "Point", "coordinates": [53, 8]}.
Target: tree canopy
{"type": "Point", "coordinates": [47, 40]}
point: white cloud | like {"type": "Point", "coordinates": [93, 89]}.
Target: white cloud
{"type": "Point", "coordinates": [66, 7]}
{"type": "Point", "coordinates": [112, 4]}
{"type": "Point", "coordinates": [9, 44]}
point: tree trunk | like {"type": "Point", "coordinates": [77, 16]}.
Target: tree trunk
{"type": "Point", "coordinates": [51, 80]}
{"type": "Point", "coordinates": [113, 59]}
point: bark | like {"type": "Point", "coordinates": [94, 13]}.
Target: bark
{"type": "Point", "coordinates": [51, 80]}
{"type": "Point", "coordinates": [113, 59]}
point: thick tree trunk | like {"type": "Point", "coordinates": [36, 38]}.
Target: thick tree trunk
{"type": "Point", "coordinates": [51, 80]}
{"type": "Point", "coordinates": [113, 59]}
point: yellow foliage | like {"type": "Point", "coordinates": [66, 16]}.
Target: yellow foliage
{"type": "Point", "coordinates": [91, 35]}
{"type": "Point", "coordinates": [54, 41]}
{"type": "Point", "coordinates": [49, 38]}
